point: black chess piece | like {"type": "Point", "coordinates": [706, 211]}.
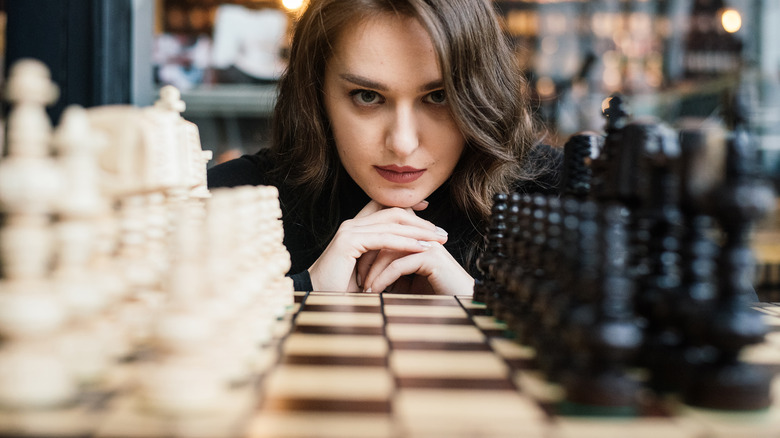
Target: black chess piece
{"type": "Point", "coordinates": [492, 251]}
{"type": "Point", "coordinates": [521, 267]}
{"type": "Point", "coordinates": [566, 303]}
{"type": "Point", "coordinates": [583, 281]}
{"type": "Point", "coordinates": [611, 167]}
{"type": "Point", "coordinates": [700, 162]}
{"type": "Point", "coordinates": [577, 154]}
{"type": "Point", "coordinates": [656, 247]}
{"type": "Point", "coordinates": [616, 113]}
{"type": "Point", "coordinates": [743, 198]}
{"type": "Point", "coordinates": [550, 298]}
{"type": "Point", "coordinates": [534, 270]}
{"type": "Point", "coordinates": [604, 335]}
{"type": "Point", "coordinates": [505, 302]}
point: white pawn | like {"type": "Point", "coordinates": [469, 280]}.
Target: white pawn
{"type": "Point", "coordinates": [225, 303]}
{"type": "Point", "coordinates": [29, 178]}
{"type": "Point", "coordinates": [279, 262]}
{"type": "Point", "coordinates": [185, 380]}
{"type": "Point", "coordinates": [79, 212]}
{"type": "Point", "coordinates": [32, 375]}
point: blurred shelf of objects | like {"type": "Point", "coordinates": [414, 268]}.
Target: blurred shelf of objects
{"type": "Point", "coordinates": [673, 59]}
{"type": "Point", "coordinates": [225, 57]}
{"type": "Point", "coordinates": [226, 100]}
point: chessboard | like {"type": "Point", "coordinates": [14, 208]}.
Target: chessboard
{"type": "Point", "coordinates": [397, 365]}
{"type": "Point", "coordinates": [393, 365]}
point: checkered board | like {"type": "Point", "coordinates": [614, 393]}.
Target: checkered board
{"type": "Point", "coordinates": [389, 365]}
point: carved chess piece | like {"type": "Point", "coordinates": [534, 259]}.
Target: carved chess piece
{"type": "Point", "coordinates": [726, 382]}
{"type": "Point", "coordinates": [32, 373]}
{"type": "Point", "coordinates": [78, 213]}
{"type": "Point", "coordinates": [484, 288]}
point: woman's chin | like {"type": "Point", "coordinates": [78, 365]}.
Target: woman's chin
{"type": "Point", "coordinates": [399, 201]}
{"type": "Point", "coordinates": [401, 204]}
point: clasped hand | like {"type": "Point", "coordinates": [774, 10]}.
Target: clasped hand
{"type": "Point", "coordinates": [380, 245]}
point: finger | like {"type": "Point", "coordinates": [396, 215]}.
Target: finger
{"type": "Point", "coordinates": [442, 273]}
{"type": "Point", "coordinates": [381, 262]}
{"type": "Point", "coordinates": [355, 236]}
{"type": "Point", "coordinates": [398, 215]}
{"type": "Point", "coordinates": [337, 264]}
{"type": "Point", "coordinates": [399, 267]}
{"type": "Point", "coordinates": [364, 263]}
{"type": "Point", "coordinates": [370, 208]}
{"type": "Point", "coordinates": [370, 215]}
{"type": "Point", "coordinates": [422, 205]}
{"type": "Point", "coordinates": [365, 242]}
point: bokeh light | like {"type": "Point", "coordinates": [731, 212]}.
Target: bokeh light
{"type": "Point", "coordinates": [292, 5]}
{"type": "Point", "coordinates": [731, 20]}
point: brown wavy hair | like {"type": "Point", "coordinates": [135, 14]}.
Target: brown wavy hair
{"type": "Point", "coordinates": [482, 82]}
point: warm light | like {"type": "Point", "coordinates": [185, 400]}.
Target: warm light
{"type": "Point", "coordinates": [605, 104]}
{"type": "Point", "coordinates": [292, 5]}
{"type": "Point", "coordinates": [640, 23]}
{"type": "Point", "coordinates": [731, 20]}
{"type": "Point", "coordinates": [612, 78]}
{"type": "Point", "coordinates": [545, 86]}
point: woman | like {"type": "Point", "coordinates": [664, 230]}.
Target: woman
{"type": "Point", "coordinates": [396, 120]}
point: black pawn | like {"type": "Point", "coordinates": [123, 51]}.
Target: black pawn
{"type": "Point", "coordinates": [492, 252]}
{"type": "Point", "coordinates": [577, 153]}
{"type": "Point", "coordinates": [505, 302]}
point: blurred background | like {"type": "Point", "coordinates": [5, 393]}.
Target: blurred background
{"type": "Point", "coordinates": [674, 59]}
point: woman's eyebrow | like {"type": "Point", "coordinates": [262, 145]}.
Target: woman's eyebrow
{"type": "Point", "coordinates": [432, 85]}
{"type": "Point", "coordinates": [363, 82]}
{"type": "Point", "coordinates": [374, 85]}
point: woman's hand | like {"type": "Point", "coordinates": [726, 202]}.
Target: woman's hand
{"type": "Point", "coordinates": [443, 273]}
{"type": "Point", "coordinates": [431, 271]}
{"type": "Point", "coordinates": [375, 228]}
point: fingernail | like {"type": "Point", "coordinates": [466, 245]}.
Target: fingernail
{"type": "Point", "coordinates": [368, 291]}
{"type": "Point", "coordinates": [440, 231]}
{"type": "Point", "coordinates": [424, 243]}
{"type": "Point", "coordinates": [424, 202]}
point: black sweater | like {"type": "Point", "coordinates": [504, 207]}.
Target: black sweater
{"type": "Point", "coordinates": [304, 246]}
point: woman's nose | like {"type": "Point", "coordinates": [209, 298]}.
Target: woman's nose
{"type": "Point", "coordinates": [402, 137]}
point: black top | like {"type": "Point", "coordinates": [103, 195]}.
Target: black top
{"type": "Point", "coordinates": [301, 242]}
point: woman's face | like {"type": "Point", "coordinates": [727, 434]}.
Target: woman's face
{"type": "Point", "coordinates": [389, 114]}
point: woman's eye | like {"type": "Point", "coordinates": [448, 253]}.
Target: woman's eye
{"type": "Point", "coordinates": [366, 97]}
{"type": "Point", "coordinates": [437, 97]}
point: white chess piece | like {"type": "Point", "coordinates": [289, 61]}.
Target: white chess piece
{"type": "Point", "coordinates": [192, 159]}
{"type": "Point", "coordinates": [78, 212]}
{"type": "Point", "coordinates": [184, 380]}
{"type": "Point", "coordinates": [32, 375]}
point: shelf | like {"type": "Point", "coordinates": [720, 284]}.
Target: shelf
{"type": "Point", "coordinates": [228, 100]}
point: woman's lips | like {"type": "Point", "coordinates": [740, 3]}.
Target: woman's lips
{"type": "Point", "coordinates": [398, 174]}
